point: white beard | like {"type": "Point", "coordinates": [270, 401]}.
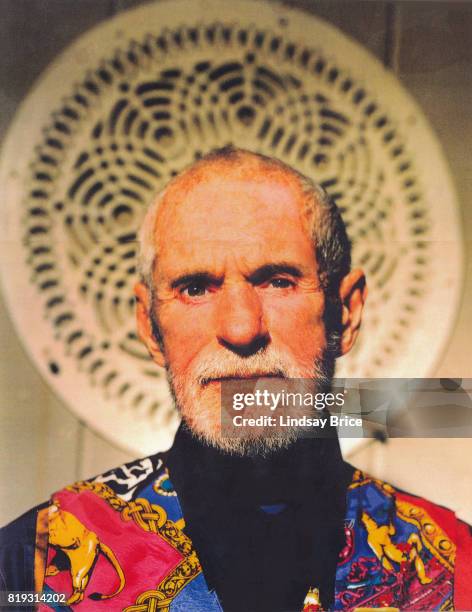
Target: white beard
{"type": "Point", "coordinates": [199, 403]}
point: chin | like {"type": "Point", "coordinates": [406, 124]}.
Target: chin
{"type": "Point", "coordinates": [201, 412]}
{"type": "Point", "coordinates": [243, 446]}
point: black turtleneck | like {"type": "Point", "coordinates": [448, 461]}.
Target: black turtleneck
{"type": "Point", "coordinates": [265, 528]}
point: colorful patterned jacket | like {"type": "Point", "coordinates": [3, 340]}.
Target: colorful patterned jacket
{"type": "Point", "coordinates": [118, 542]}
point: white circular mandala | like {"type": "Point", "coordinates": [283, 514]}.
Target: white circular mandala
{"type": "Point", "coordinates": [139, 97]}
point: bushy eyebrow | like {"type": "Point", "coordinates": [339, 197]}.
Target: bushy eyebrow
{"type": "Point", "coordinates": [267, 271]}
{"type": "Point", "coordinates": [196, 277]}
{"type": "Point", "coordinates": [258, 276]}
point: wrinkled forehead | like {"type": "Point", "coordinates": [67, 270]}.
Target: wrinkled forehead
{"type": "Point", "coordinates": [229, 202]}
{"type": "Point", "coordinates": [224, 220]}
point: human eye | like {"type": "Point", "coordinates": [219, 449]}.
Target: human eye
{"type": "Point", "coordinates": [281, 282]}
{"type": "Point", "coordinates": [195, 289]}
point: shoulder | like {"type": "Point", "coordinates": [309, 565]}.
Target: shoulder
{"type": "Point", "coordinates": [19, 539]}
{"type": "Point", "coordinates": [419, 551]}
{"type": "Point", "coordinates": [374, 503]}
{"type": "Point", "coordinates": [441, 527]}
{"type": "Point", "coordinates": [383, 495]}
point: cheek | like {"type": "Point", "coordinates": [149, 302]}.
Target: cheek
{"type": "Point", "coordinates": [185, 332]}
{"type": "Point", "coordinates": [297, 323]}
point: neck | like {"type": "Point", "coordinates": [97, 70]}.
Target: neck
{"type": "Point", "coordinates": [243, 513]}
{"type": "Point", "coordinates": [283, 475]}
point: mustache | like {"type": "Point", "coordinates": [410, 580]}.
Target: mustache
{"type": "Point", "coordinates": [269, 363]}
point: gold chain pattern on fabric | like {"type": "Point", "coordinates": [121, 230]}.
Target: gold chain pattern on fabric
{"type": "Point", "coordinates": [434, 538]}
{"type": "Point", "coordinates": [151, 518]}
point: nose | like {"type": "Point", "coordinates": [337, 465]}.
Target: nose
{"type": "Point", "coordinates": [241, 327]}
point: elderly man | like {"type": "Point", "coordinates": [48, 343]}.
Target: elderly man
{"type": "Point", "coordinates": [245, 279]}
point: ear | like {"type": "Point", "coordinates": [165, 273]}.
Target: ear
{"type": "Point", "coordinates": [144, 325]}
{"type": "Point", "coordinates": [353, 294]}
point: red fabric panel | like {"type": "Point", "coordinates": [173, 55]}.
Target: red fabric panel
{"type": "Point", "coordinates": [459, 533]}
